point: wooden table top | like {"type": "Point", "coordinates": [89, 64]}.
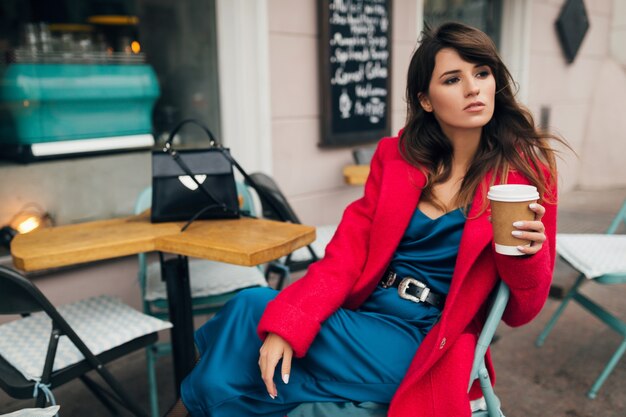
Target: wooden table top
{"type": "Point", "coordinates": [356, 174]}
{"type": "Point", "coordinates": [241, 241]}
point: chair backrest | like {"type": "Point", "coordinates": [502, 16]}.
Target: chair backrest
{"type": "Point", "coordinates": [23, 297]}
{"type": "Point", "coordinates": [619, 220]}
{"type": "Point", "coordinates": [19, 295]}
{"type": "Point", "coordinates": [500, 299]}
{"type": "Point", "coordinates": [479, 371]}
{"type": "Point", "coordinates": [273, 201]}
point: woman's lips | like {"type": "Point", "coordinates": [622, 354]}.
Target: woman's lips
{"type": "Point", "coordinates": [475, 106]}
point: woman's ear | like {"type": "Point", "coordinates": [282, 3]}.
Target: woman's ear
{"type": "Point", "coordinates": [425, 102]}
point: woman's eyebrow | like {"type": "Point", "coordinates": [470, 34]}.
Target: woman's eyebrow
{"type": "Point", "coordinates": [456, 71]}
{"type": "Point", "coordinates": [449, 73]}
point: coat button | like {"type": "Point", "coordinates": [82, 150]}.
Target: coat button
{"type": "Point", "coordinates": [443, 343]}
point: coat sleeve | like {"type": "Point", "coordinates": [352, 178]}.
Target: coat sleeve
{"type": "Point", "coordinates": [529, 277]}
{"type": "Point", "coordinates": [298, 311]}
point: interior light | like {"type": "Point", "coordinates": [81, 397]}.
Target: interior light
{"type": "Point", "coordinates": [27, 224]}
{"type": "Point", "coordinates": [135, 47]}
{"type": "Point", "coordinates": [29, 218]}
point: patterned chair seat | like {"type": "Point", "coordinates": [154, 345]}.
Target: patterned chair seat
{"type": "Point", "coordinates": [102, 322]}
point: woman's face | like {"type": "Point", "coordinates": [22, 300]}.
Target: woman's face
{"type": "Point", "coordinates": [461, 94]}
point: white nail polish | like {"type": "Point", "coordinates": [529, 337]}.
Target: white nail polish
{"type": "Point", "coordinates": [518, 224]}
{"type": "Point", "coordinates": [532, 205]}
{"type": "Point", "coordinates": [286, 378]}
{"type": "Point", "coordinates": [273, 397]}
{"type": "Point", "coordinates": [516, 233]}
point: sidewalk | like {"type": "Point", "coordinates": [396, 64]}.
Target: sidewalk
{"type": "Point", "coordinates": [549, 382]}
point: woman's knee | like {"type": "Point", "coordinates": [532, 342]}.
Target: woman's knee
{"type": "Point", "coordinates": [256, 295]}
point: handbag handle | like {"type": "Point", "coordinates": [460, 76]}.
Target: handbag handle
{"type": "Point", "coordinates": [167, 147]}
{"type": "Point", "coordinates": [176, 157]}
{"type": "Point", "coordinates": [214, 143]}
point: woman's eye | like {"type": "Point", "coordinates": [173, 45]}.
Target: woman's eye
{"type": "Point", "coordinates": [483, 74]}
{"type": "Point", "coordinates": [452, 80]}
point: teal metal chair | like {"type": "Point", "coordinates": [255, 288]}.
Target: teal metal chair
{"type": "Point", "coordinates": [600, 259]}
{"type": "Point", "coordinates": [212, 285]}
{"type": "Point", "coordinates": [487, 406]}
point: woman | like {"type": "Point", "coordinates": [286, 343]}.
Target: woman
{"type": "Point", "coordinates": [424, 214]}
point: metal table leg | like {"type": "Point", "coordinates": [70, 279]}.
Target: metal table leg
{"type": "Point", "coordinates": [175, 272]}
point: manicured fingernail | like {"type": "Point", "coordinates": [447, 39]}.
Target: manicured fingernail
{"type": "Point", "coordinates": [273, 397]}
{"type": "Point", "coordinates": [532, 206]}
{"type": "Point", "coordinates": [286, 378]}
{"type": "Point", "coordinates": [518, 224]}
{"type": "Point", "coordinates": [521, 248]}
{"type": "Point", "coordinates": [516, 233]}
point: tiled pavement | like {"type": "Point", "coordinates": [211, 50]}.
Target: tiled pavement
{"type": "Point", "coordinates": [551, 381]}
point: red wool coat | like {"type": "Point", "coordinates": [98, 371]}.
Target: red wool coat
{"type": "Point", "coordinates": [368, 234]}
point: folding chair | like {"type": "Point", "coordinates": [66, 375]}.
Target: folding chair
{"type": "Point", "coordinates": [49, 347]}
{"type": "Point", "coordinates": [600, 259]}
{"type": "Point", "coordinates": [487, 406]}
{"type": "Point", "coordinates": [213, 284]}
{"type": "Point", "coordinates": [276, 207]}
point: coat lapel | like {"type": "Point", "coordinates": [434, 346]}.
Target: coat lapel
{"type": "Point", "coordinates": [400, 190]}
{"type": "Point", "coordinates": [477, 234]}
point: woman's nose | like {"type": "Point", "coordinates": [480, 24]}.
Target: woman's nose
{"type": "Point", "coordinates": [472, 88]}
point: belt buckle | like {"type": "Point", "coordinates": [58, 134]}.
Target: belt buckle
{"type": "Point", "coordinates": [404, 286]}
{"type": "Point", "coordinates": [391, 278]}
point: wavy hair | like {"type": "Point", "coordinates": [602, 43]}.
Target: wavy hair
{"type": "Point", "coordinates": [509, 141]}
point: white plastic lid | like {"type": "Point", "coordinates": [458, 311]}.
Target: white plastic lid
{"type": "Point", "coordinates": [512, 193]}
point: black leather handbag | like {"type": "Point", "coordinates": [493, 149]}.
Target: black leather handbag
{"type": "Point", "coordinates": [191, 184]}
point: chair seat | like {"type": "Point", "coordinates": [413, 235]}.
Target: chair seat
{"type": "Point", "coordinates": [17, 386]}
{"type": "Point", "coordinates": [103, 323]}
{"type": "Point", "coordinates": [323, 236]}
{"type": "Point", "coordinates": [206, 278]}
{"type": "Point", "coordinates": [593, 255]}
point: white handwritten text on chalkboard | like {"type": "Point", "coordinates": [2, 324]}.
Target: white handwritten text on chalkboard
{"type": "Point", "coordinates": [358, 42]}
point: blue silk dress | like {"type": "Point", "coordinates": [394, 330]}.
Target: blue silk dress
{"type": "Point", "coordinates": [358, 356]}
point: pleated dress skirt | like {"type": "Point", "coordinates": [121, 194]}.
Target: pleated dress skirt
{"type": "Point", "coordinates": [358, 356]}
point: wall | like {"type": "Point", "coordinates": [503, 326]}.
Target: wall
{"type": "Point", "coordinates": [311, 176]}
{"type": "Point", "coordinates": [618, 32]}
{"type": "Point", "coordinates": [75, 190]}
{"type": "Point", "coordinates": [580, 95]}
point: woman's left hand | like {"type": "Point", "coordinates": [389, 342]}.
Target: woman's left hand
{"type": "Point", "coordinates": [532, 230]}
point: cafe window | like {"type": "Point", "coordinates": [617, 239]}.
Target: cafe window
{"type": "Point", "coordinates": [161, 57]}
{"type": "Point", "coordinates": [486, 15]}
{"type": "Point", "coordinates": [180, 40]}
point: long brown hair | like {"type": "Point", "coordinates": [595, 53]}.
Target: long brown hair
{"type": "Point", "coordinates": [509, 141]}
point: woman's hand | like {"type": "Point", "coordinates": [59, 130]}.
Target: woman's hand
{"type": "Point", "coordinates": [274, 347]}
{"type": "Point", "coordinates": [533, 230]}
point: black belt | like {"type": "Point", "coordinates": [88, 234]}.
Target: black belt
{"type": "Point", "coordinates": [412, 289]}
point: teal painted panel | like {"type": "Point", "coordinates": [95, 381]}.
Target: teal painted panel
{"type": "Point", "coordinates": [54, 102]}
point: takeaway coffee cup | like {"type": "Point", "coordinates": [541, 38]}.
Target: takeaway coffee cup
{"type": "Point", "coordinates": [509, 203]}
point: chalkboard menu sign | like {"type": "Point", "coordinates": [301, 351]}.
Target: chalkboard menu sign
{"type": "Point", "coordinates": [355, 57]}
